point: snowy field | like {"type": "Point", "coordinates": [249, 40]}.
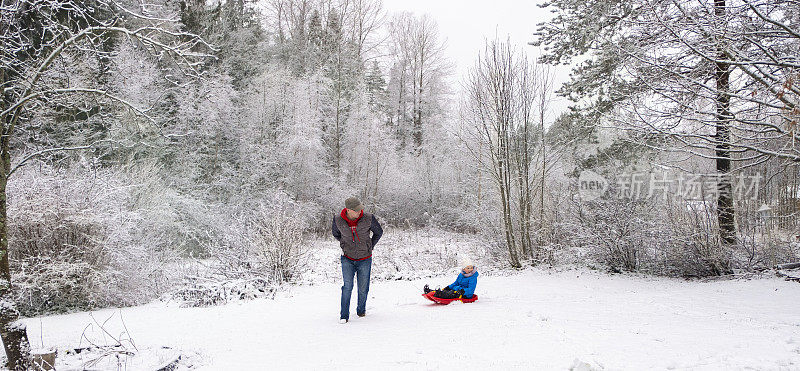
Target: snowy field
{"type": "Point", "coordinates": [537, 319]}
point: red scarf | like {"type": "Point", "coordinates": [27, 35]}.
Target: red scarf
{"type": "Point", "coordinates": [352, 223]}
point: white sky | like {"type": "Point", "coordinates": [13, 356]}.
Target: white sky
{"type": "Point", "coordinates": [464, 24]}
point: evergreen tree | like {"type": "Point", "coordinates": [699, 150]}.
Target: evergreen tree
{"type": "Point", "coordinates": [700, 78]}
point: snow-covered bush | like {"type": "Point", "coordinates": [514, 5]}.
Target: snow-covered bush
{"type": "Point", "coordinates": [217, 289]}
{"type": "Point", "coordinates": [82, 239]}
{"type": "Point", "coordinates": [675, 237]}
{"type": "Point", "coordinates": [56, 242]}
{"type": "Point", "coordinates": [616, 232]}
{"type": "Point", "coordinates": [277, 237]}
{"type": "Point", "coordinates": [693, 247]}
{"type": "Point", "coordinates": [45, 284]}
{"type": "Point", "coordinates": [266, 240]}
{"type": "Point", "coordinates": [260, 248]}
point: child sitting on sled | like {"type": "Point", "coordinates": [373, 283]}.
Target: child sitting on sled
{"type": "Point", "coordinates": [463, 287]}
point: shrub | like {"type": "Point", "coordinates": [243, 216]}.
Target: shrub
{"type": "Point", "coordinates": [82, 239]}
{"type": "Point", "coordinates": [261, 248]}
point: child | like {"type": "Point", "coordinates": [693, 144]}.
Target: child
{"type": "Point", "coordinates": [463, 287]}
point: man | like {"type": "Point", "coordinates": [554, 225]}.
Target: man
{"type": "Point", "coordinates": [352, 228]}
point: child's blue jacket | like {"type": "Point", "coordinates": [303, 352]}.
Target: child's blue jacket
{"type": "Point", "coordinates": [467, 284]}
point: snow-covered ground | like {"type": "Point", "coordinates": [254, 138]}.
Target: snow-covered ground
{"type": "Point", "coordinates": [537, 319]}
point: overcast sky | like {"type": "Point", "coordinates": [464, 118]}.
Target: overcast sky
{"type": "Point", "coordinates": [466, 23]}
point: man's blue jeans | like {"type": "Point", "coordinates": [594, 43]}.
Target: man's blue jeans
{"type": "Point", "coordinates": [349, 269]}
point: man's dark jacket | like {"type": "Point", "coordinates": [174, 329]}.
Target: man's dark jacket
{"type": "Point", "coordinates": [357, 246]}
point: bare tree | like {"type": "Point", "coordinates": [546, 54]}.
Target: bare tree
{"type": "Point", "coordinates": [399, 114]}
{"type": "Point", "coordinates": [419, 66]}
{"type": "Point", "coordinates": [506, 107]}
{"type": "Point", "coordinates": [523, 148]}
{"type": "Point", "coordinates": [535, 93]}
{"type": "Point", "coordinates": [333, 38]}
{"type": "Point", "coordinates": [35, 34]}
{"type": "Point", "coordinates": [492, 87]}
{"type": "Point", "coordinates": [362, 23]}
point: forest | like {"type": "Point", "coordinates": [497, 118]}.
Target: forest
{"type": "Point", "coordinates": [196, 150]}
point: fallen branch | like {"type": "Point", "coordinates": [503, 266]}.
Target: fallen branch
{"type": "Point", "coordinates": [794, 265]}
{"type": "Point", "coordinates": [171, 366]}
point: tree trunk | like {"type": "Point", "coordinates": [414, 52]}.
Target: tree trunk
{"type": "Point", "coordinates": [725, 210]}
{"type": "Point", "coordinates": [542, 223]}
{"type": "Point", "coordinates": [12, 331]}
{"type": "Point", "coordinates": [523, 173]}
{"type": "Point", "coordinates": [337, 144]}
{"type": "Point", "coordinates": [480, 155]}
{"type": "Point", "coordinates": [401, 108]}
{"type": "Point", "coordinates": [418, 112]}
{"type": "Point", "coordinates": [505, 195]}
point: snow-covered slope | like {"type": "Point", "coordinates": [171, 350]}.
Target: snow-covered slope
{"type": "Point", "coordinates": [537, 319]}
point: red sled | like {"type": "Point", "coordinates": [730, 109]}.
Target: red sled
{"type": "Point", "coordinates": [436, 300]}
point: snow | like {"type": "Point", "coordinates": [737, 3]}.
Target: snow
{"type": "Point", "coordinates": [537, 319]}
{"type": "Point", "coordinates": [402, 255]}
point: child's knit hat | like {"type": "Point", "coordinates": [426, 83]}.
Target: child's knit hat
{"type": "Point", "coordinates": [464, 260]}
